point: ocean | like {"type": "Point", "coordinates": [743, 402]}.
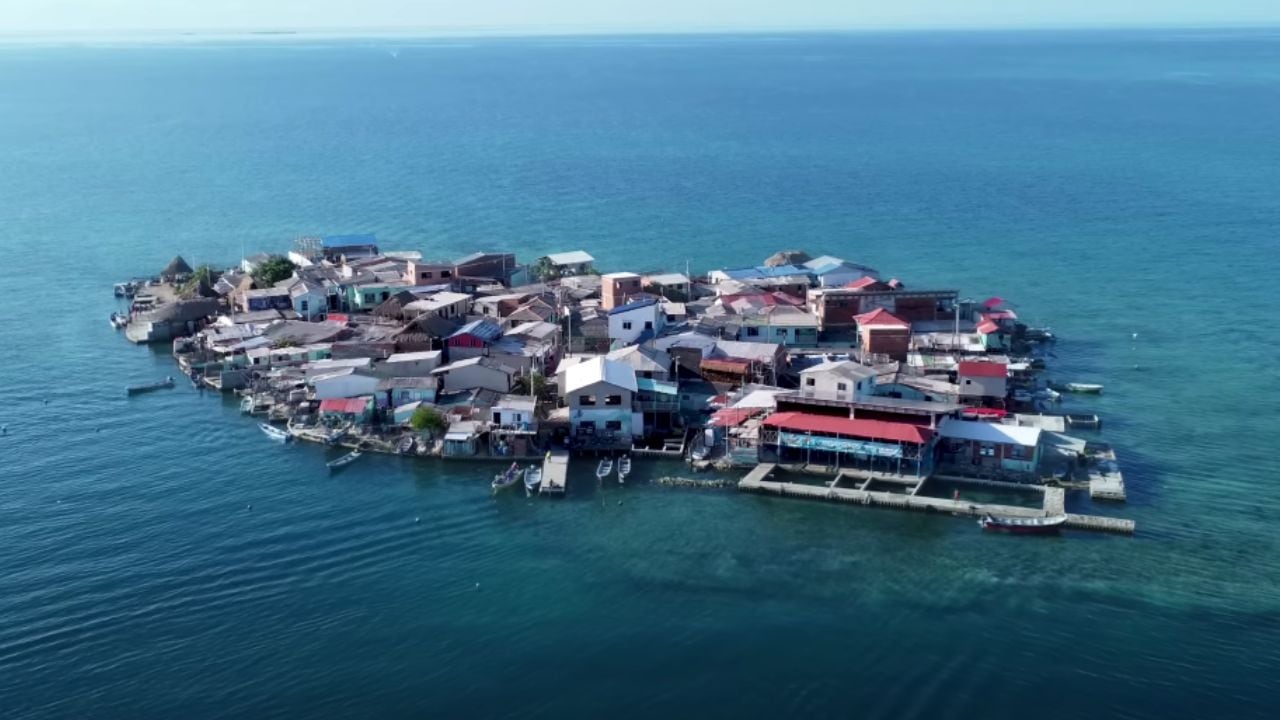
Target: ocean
{"type": "Point", "coordinates": [159, 558]}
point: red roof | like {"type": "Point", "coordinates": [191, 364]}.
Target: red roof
{"type": "Point", "coordinates": [739, 367]}
{"type": "Point", "coordinates": [881, 318]}
{"type": "Point", "coordinates": [866, 429]}
{"type": "Point", "coordinates": [346, 406]}
{"type": "Point", "coordinates": [862, 282]}
{"type": "Point", "coordinates": [989, 412]}
{"type": "Point", "coordinates": [983, 369]}
{"type": "Point", "coordinates": [732, 417]}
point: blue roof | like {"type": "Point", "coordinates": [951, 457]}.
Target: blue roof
{"type": "Point", "coordinates": [764, 272]}
{"type": "Point", "coordinates": [826, 268]}
{"type": "Point", "coordinates": [349, 240]}
{"type": "Point", "coordinates": [486, 330]}
{"type": "Point", "coordinates": [633, 306]}
{"type": "Point", "coordinates": [661, 387]}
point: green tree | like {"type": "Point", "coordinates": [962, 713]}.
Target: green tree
{"type": "Point", "coordinates": [535, 385]}
{"type": "Point", "coordinates": [542, 270]}
{"type": "Point", "coordinates": [203, 275]}
{"type": "Point", "coordinates": [428, 418]}
{"type": "Point", "coordinates": [273, 270]}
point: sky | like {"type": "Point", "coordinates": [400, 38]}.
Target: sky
{"type": "Point", "coordinates": [536, 16]}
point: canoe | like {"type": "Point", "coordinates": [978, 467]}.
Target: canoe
{"type": "Point", "coordinates": [624, 468]}
{"type": "Point", "coordinates": [1085, 388]}
{"type": "Point", "coordinates": [604, 468]}
{"type": "Point", "coordinates": [344, 460]}
{"type": "Point", "coordinates": [1023, 525]}
{"type": "Point", "coordinates": [532, 479]}
{"type": "Point", "coordinates": [274, 432]}
{"type": "Point", "coordinates": [508, 479]}
{"type": "Point", "coordinates": [137, 389]}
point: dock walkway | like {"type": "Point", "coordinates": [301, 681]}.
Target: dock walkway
{"type": "Point", "coordinates": [555, 473]}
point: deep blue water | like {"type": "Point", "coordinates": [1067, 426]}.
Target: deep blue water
{"type": "Point", "coordinates": [159, 558]}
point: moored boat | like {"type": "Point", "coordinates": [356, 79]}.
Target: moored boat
{"type": "Point", "coordinates": [137, 389]}
{"type": "Point", "coordinates": [406, 445]}
{"type": "Point", "coordinates": [274, 432]}
{"type": "Point", "coordinates": [344, 460]}
{"type": "Point", "coordinates": [624, 468]}
{"type": "Point", "coordinates": [119, 320]}
{"type": "Point", "coordinates": [508, 479]}
{"type": "Point", "coordinates": [1023, 525]}
{"type": "Point", "coordinates": [1075, 387]}
{"type": "Point", "coordinates": [1088, 422]}
{"type": "Point", "coordinates": [604, 468]}
{"type": "Point", "coordinates": [532, 479]}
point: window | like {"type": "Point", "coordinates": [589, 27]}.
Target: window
{"type": "Point", "coordinates": [587, 426]}
{"type": "Point", "coordinates": [648, 324]}
{"type": "Point", "coordinates": [304, 306]}
{"type": "Point", "coordinates": [425, 275]}
{"type": "Point", "coordinates": [613, 425]}
{"type": "Point", "coordinates": [859, 385]}
{"type": "Point", "coordinates": [753, 331]}
{"type": "Point", "coordinates": [385, 295]}
{"type": "Point", "coordinates": [842, 386]}
{"type": "Point", "coordinates": [613, 400]}
{"type": "Point", "coordinates": [586, 400]}
{"type": "Point", "coordinates": [626, 325]}
{"type": "Point", "coordinates": [808, 382]}
{"type": "Point", "coordinates": [967, 381]}
{"type": "Point", "coordinates": [370, 298]}
{"type": "Point", "coordinates": [446, 273]}
{"type": "Point", "coordinates": [987, 450]}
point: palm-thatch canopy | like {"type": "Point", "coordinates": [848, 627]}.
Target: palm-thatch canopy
{"type": "Point", "coordinates": [787, 257]}
{"type": "Point", "coordinates": [177, 266]}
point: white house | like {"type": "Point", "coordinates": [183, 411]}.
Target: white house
{"type": "Point", "coordinates": [628, 322]}
{"type": "Point", "coordinates": [476, 372]}
{"type": "Point", "coordinates": [515, 411]}
{"type": "Point", "coordinates": [344, 383]}
{"type": "Point", "coordinates": [575, 262]}
{"type": "Point", "coordinates": [599, 394]}
{"type": "Point", "coordinates": [647, 362]}
{"type": "Point", "coordinates": [839, 380]}
{"type": "Point", "coordinates": [445, 304]}
{"type": "Point", "coordinates": [982, 380]}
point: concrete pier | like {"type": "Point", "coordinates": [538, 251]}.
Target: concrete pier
{"type": "Point", "coordinates": [555, 473]}
{"type": "Point", "coordinates": [1054, 498]}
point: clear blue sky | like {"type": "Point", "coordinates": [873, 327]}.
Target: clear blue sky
{"type": "Point", "coordinates": [46, 16]}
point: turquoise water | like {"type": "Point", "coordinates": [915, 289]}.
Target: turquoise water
{"type": "Point", "coordinates": [160, 558]}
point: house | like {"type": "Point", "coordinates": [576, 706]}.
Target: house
{"type": "Point", "coordinates": [762, 272]}
{"type": "Point", "coordinates": [445, 304]}
{"type": "Point", "coordinates": [628, 323]}
{"type": "Point", "coordinates": [343, 383]}
{"type": "Point", "coordinates": [355, 410]}
{"type": "Point", "coordinates": [367, 295]}
{"type": "Point", "coordinates": [403, 390]}
{"type": "Point", "coordinates": [618, 289]}
{"type": "Point", "coordinates": [515, 411]}
{"type": "Point", "coordinates": [672, 286]}
{"type": "Point", "coordinates": [272, 298]}
{"type": "Point", "coordinates": [427, 331]}
{"type": "Point", "coordinates": [838, 307]}
{"type": "Point", "coordinates": [497, 266]}
{"type": "Point", "coordinates": [881, 446]}
{"type": "Point", "coordinates": [473, 339]}
{"type": "Point", "coordinates": [840, 380]}
{"type": "Point", "coordinates": [535, 310]}
{"type": "Point", "coordinates": [675, 312]}
{"type": "Point", "coordinates": [575, 262]}
{"type": "Point", "coordinates": [880, 332]}
{"type": "Point", "coordinates": [462, 439]}
{"type": "Point", "coordinates": [410, 364]}
{"type": "Point", "coordinates": [984, 382]}
{"type": "Point", "coordinates": [990, 448]}
{"type": "Point", "coordinates": [829, 271]}
{"type": "Point", "coordinates": [647, 362]}
{"type": "Point", "coordinates": [658, 403]}
{"type": "Point", "coordinates": [476, 372]}
{"type": "Point", "coordinates": [426, 272]}
{"type": "Point", "coordinates": [599, 394]}
{"type": "Point", "coordinates": [780, 324]}
{"type": "Point", "coordinates": [588, 330]}
{"type": "Point", "coordinates": [338, 248]}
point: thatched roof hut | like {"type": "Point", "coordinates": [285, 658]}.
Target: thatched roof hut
{"type": "Point", "coordinates": [177, 266]}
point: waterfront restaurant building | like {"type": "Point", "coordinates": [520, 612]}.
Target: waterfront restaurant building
{"type": "Point", "coordinates": [869, 445]}
{"type": "Point", "coordinates": [989, 449]}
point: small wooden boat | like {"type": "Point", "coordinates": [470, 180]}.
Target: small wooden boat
{"type": "Point", "coordinates": [604, 468]}
{"type": "Point", "coordinates": [119, 320]}
{"type": "Point", "coordinates": [138, 389]}
{"type": "Point", "coordinates": [508, 479]}
{"type": "Point", "coordinates": [532, 479]}
{"type": "Point", "coordinates": [344, 460]}
{"type": "Point", "coordinates": [624, 468]}
{"type": "Point", "coordinates": [1023, 525]}
{"type": "Point", "coordinates": [246, 404]}
{"type": "Point", "coordinates": [274, 432]}
{"type": "Point", "coordinates": [1084, 388]}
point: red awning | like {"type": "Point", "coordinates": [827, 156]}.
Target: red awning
{"type": "Point", "coordinates": [986, 412]}
{"type": "Point", "coordinates": [345, 406]}
{"type": "Point", "coordinates": [882, 430]}
{"type": "Point", "coordinates": [983, 369]}
{"type": "Point", "coordinates": [737, 367]}
{"type": "Point", "coordinates": [986, 327]}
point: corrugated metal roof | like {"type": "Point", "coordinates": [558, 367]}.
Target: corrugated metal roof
{"type": "Point", "coordinates": [348, 406]}
{"type": "Point", "coordinates": [868, 429]}
{"type": "Point", "coordinates": [977, 431]}
{"type": "Point", "coordinates": [880, 318]}
{"type": "Point", "coordinates": [484, 329]}
{"type": "Point", "coordinates": [970, 368]}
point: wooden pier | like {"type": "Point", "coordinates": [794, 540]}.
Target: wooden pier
{"type": "Point", "coordinates": [756, 481]}
{"type": "Point", "coordinates": [555, 473]}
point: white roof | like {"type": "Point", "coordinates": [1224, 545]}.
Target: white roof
{"type": "Point", "coordinates": [989, 432]}
{"type": "Point", "coordinates": [668, 279]}
{"type": "Point", "coordinates": [412, 356]}
{"type": "Point", "coordinates": [619, 275]}
{"type": "Point", "coordinates": [844, 368]}
{"type": "Point", "coordinates": [640, 358]}
{"type": "Point", "coordinates": [517, 402]}
{"type": "Point", "coordinates": [760, 399]}
{"type": "Point", "coordinates": [571, 360]}
{"type": "Point", "coordinates": [600, 370]}
{"type": "Point", "coordinates": [573, 257]}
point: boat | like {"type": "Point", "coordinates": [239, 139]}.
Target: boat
{"type": "Point", "coordinates": [119, 320]}
{"type": "Point", "coordinates": [1023, 525]}
{"type": "Point", "coordinates": [1048, 394]}
{"type": "Point", "coordinates": [1074, 387]}
{"type": "Point", "coordinates": [1088, 422]}
{"type": "Point", "coordinates": [274, 432]}
{"type": "Point", "coordinates": [246, 404]}
{"type": "Point", "coordinates": [508, 479]}
{"type": "Point", "coordinates": [604, 468]}
{"type": "Point", "coordinates": [624, 468]}
{"type": "Point", "coordinates": [344, 460]}
{"type": "Point", "coordinates": [138, 389]}
{"type": "Point", "coordinates": [532, 479]}
{"type": "Point", "coordinates": [405, 446]}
